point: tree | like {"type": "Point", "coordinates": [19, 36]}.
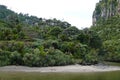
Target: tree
{"type": "Point", "coordinates": [55, 31]}
{"type": "Point", "coordinates": [83, 38]}
{"type": "Point", "coordinates": [91, 38]}
{"type": "Point", "coordinates": [13, 20]}
{"type": "Point", "coordinates": [16, 58]}
{"type": "Point", "coordinates": [70, 31]}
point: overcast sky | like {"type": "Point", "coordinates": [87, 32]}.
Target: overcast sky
{"type": "Point", "coordinates": [76, 12]}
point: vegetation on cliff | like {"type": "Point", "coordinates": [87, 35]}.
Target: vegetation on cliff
{"type": "Point", "coordinates": [109, 31]}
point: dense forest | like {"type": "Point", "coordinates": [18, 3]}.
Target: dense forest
{"type": "Point", "coordinates": [32, 41]}
{"type": "Point", "coordinates": [106, 21]}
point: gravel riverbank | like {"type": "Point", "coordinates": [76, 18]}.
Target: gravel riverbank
{"type": "Point", "coordinates": [69, 68]}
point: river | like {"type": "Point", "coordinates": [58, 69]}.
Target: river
{"type": "Point", "coordinates": [16, 75]}
{"type": "Point", "coordinates": [113, 75]}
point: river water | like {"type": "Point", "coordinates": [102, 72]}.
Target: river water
{"type": "Point", "coordinates": [113, 75]}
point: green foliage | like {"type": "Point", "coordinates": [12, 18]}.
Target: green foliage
{"type": "Point", "coordinates": [55, 31]}
{"type": "Point", "coordinates": [31, 41]}
{"type": "Point", "coordinates": [42, 52]}
{"type": "Point", "coordinates": [108, 29]}
{"type": "Point", "coordinates": [90, 37]}
{"type": "Point", "coordinates": [68, 47]}
{"type": "Point", "coordinates": [4, 58]}
{"type": "Point", "coordinates": [91, 57]}
{"type": "Point", "coordinates": [54, 58]}
{"type": "Point", "coordinates": [58, 58]}
{"type": "Point", "coordinates": [69, 33]}
{"type": "Point", "coordinates": [51, 43]}
{"type": "Point", "coordinates": [29, 59]}
{"type": "Point", "coordinates": [80, 51]}
{"type": "Point", "coordinates": [12, 46]}
{"type": "Point", "coordinates": [104, 10]}
{"type": "Point", "coordinates": [15, 58]}
{"type": "Point", "coordinates": [112, 47]}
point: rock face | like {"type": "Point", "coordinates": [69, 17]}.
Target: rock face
{"type": "Point", "coordinates": [105, 9]}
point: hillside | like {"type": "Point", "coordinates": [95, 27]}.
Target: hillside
{"type": "Point", "coordinates": [107, 25]}
{"type": "Point", "coordinates": [32, 41]}
{"type": "Point", "coordinates": [105, 9]}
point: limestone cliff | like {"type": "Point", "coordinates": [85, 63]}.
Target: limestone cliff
{"type": "Point", "coordinates": [105, 9]}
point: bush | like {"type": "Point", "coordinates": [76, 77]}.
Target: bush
{"type": "Point", "coordinates": [12, 46]}
{"type": "Point", "coordinates": [4, 58]}
{"type": "Point", "coordinates": [58, 58]}
{"type": "Point", "coordinates": [53, 58]}
{"type": "Point", "coordinates": [31, 59]}
{"type": "Point", "coordinates": [91, 57]}
{"type": "Point", "coordinates": [28, 59]}
{"type": "Point", "coordinates": [112, 48]}
{"type": "Point", "coordinates": [80, 51]}
{"type": "Point", "coordinates": [51, 43]}
{"type": "Point", "coordinates": [16, 58]}
{"type": "Point", "coordinates": [68, 47]}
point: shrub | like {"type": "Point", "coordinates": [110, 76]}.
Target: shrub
{"type": "Point", "coordinates": [31, 59]}
{"type": "Point", "coordinates": [4, 58]}
{"type": "Point", "coordinates": [51, 43]}
{"type": "Point", "coordinates": [28, 59]}
{"type": "Point", "coordinates": [15, 58]}
{"type": "Point", "coordinates": [112, 48]}
{"type": "Point", "coordinates": [57, 58]}
{"type": "Point", "coordinates": [80, 51]}
{"type": "Point", "coordinates": [91, 57]}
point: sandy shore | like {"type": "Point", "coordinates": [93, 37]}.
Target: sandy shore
{"type": "Point", "coordinates": [70, 68]}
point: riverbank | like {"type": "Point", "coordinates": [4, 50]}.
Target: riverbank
{"type": "Point", "coordinates": [70, 68]}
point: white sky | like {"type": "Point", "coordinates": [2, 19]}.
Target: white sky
{"type": "Point", "coordinates": [76, 12]}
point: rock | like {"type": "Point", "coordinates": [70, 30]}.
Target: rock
{"type": "Point", "coordinates": [105, 9]}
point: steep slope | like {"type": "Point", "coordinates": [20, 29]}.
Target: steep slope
{"type": "Point", "coordinates": [106, 22]}
{"type": "Point", "coordinates": [4, 12]}
{"type": "Point", "coordinates": [32, 41]}
{"type": "Point", "coordinates": [106, 9]}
